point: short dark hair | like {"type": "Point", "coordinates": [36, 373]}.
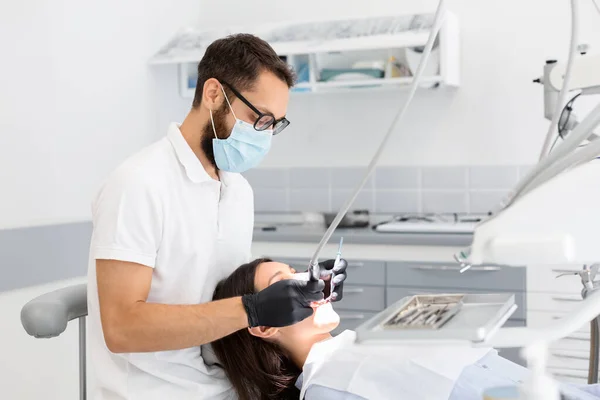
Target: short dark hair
{"type": "Point", "coordinates": [238, 60]}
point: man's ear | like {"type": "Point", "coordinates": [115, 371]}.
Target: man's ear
{"type": "Point", "coordinates": [212, 94]}
{"type": "Point", "coordinates": [263, 332]}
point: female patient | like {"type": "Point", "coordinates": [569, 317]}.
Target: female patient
{"type": "Point", "coordinates": [267, 363]}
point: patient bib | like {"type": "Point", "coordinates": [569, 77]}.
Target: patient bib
{"type": "Point", "coordinates": [403, 372]}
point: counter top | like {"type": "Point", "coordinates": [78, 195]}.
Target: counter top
{"type": "Point", "coordinates": [313, 234]}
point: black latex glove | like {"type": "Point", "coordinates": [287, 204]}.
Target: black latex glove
{"type": "Point", "coordinates": [336, 272]}
{"type": "Point", "coordinates": [283, 303]}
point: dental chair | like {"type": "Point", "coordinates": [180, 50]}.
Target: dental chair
{"type": "Point", "coordinates": [47, 316]}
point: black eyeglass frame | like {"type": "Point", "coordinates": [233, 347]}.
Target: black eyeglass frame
{"type": "Point", "coordinates": [277, 124]}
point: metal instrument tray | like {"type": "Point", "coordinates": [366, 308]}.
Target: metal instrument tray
{"type": "Point", "coordinates": [473, 318]}
{"type": "Point", "coordinates": [425, 312]}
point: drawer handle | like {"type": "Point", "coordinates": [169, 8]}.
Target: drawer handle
{"type": "Point", "coordinates": [568, 299]}
{"type": "Point", "coordinates": [352, 316]}
{"type": "Point", "coordinates": [565, 271]}
{"type": "Point", "coordinates": [570, 357]}
{"type": "Point", "coordinates": [578, 338]}
{"type": "Point", "coordinates": [353, 290]}
{"type": "Point", "coordinates": [488, 268]}
{"type": "Point", "coordinates": [569, 376]}
{"type": "Point", "coordinates": [356, 265]}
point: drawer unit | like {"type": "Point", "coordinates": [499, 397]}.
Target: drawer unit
{"type": "Point", "coordinates": [569, 375]}
{"type": "Point", "coordinates": [351, 320]}
{"type": "Point", "coordinates": [553, 302]}
{"type": "Point", "coordinates": [576, 341]}
{"type": "Point", "coordinates": [569, 359]}
{"type": "Point", "coordinates": [544, 279]}
{"type": "Point", "coordinates": [396, 293]}
{"type": "Point", "coordinates": [540, 319]}
{"type": "Point", "coordinates": [447, 275]}
{"type": "Point", "coordinates": [365, 298]}
{"type": "Point", "coordinates": [359, 272]}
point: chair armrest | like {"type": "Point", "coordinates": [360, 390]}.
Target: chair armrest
{"type": "Point", "coordinates": [47, 315]}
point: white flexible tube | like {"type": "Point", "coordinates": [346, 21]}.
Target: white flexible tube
{"type": "Point", "coordinates": [565, 86]}
{"type": "Point", "coordinates": [440, 15]}
{"type": "Point", "coordinates": [573, 159]}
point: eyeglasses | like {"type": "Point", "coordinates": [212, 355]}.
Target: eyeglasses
{"type": "Point", "coordinates": [264, 120]}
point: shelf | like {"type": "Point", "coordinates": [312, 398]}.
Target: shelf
{"type": "Point", "coordinates": [404, 81]}
{"type": "Point", "coordinates": [314, 46]}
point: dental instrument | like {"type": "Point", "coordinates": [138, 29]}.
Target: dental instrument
{"type": "Point", "coordinates": [439, 18]}
{"type": "Point", "coordinates": [336, 263]}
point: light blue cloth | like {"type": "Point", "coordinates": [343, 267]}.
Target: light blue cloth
{"type": "Point", "coordinates": [491, 371]}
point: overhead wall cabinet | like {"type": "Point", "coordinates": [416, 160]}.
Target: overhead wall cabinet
{"type": "Point", "coordinates": [337, 55]}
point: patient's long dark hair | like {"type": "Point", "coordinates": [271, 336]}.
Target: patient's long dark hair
{"type": "Point", "coordinates": [257, 369]}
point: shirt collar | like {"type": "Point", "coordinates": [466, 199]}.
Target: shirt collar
{"type": "Point", "coordinates": [193, 167]}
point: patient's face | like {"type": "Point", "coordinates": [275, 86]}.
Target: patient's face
{"type": "Point", "coordinates": [324, 318]}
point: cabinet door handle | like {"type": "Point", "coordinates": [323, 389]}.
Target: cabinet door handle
{"type": "Point", "coordinates": [356, 265]}
{"type": "Point", "coordinates": [352, 316]}
{"type": "Point", "coordinates": [568, 299]}
{"type": "Point", "coordinates": [569, 376]}
{"type": "Point", "coordinates": [488, 268]}
{"type": "Point", "coordinates": [567, 356]}
{"type": "Point", "coordinates": [578, 338]}
{"type": "Point", "coordinates": [348, 290]}
{"type": "Point", "coordinates": [565, 271]}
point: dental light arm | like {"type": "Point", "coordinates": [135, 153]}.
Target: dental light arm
{"type": "Point", "coordinates": [564, 87]}
{"type": "Point", "coordinates": [438, 20]}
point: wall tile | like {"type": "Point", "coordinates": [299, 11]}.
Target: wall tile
{"type": "Point", "coordinates": [396, 201]}
{"type": "Point", "coordinates": [309, 200]}
{"type": "Point", "coordinates": [349, 178]}
{"type": "Point", "coordinates": [397, 178]}
{"type": "Point", "coordinates": [444, 177]}
{"type": "Point", "coordinates": [364, 200]}
{"type": "Point", "coordinates": [444, 201]}
{"type": "Point", "coordinates": [493, 177]}
{"type": "Point", "coordinates": [270, 200]}
{"type": "Point", "coordinates": [309, 178]}
{"type": "Point", "coordinates": [483, 201]}
{"type": "Point", "coordinates": [268, 178]}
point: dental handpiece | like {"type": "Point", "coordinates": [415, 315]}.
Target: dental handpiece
{"type": "Point", "coordinates": [439, 18]}
{"type": "Point", "coordinates": [338, 258]}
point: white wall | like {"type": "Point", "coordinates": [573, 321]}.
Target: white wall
{"type": "Point", "coordinates": [494, 118]}
{"type": "Point", "coordinates": [77, 97]}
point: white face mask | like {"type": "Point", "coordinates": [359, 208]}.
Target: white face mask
{"type": "Point", "coordinates": [245, 147]}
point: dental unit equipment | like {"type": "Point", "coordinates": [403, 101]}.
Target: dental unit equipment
{"type": "Point", "coordinates": [549, 219]}
{"type": "Point", "coordinates": [440, 15]}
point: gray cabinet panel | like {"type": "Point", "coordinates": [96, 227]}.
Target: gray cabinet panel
{"type": "Point", "coordinates": [368, 298]}
{"type": "Point", "coordinates": [513, 353]}
{"type": "Point", "coordinates": [446, 275]}
{"type": "Point", "coordinates": [359, 272]}
{"type": "Point", "coordinates": [394, 294]}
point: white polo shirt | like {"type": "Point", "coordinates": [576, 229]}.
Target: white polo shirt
{"type": "Point", "coordinates": [161, 209]}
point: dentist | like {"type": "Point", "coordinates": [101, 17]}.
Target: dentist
{"type": "Point", "coordinates": [176, 218]}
